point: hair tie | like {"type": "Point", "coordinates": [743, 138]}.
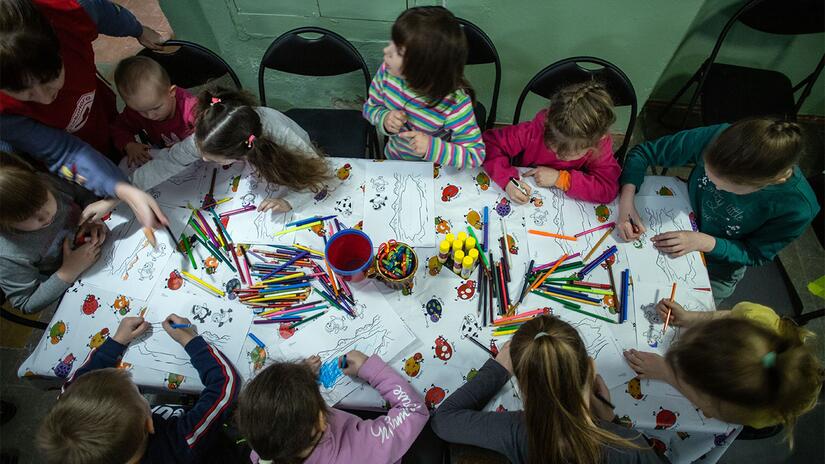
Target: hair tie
{"type": "Point", "coordinates": [769, 360]}
{"type": "Point", "coordinates": [250, 140]}
{"type": "Point", "coordinates": [541, 334]}
{"type": "Point", "coordinates": [215, 100]}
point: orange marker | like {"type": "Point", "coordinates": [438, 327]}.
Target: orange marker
{"type": "Point", "coordinates": [541, 281]}
{"type": "Point", "coordinates": [552, 235]}
{"type": "Point", "coordinates": [672, 295]}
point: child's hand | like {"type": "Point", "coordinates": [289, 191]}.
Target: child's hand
{"type": "Point", "coordinates": [146, 209]}
{"type": "Point", "coordinates": [679, 316]}
{"type": "Point", "coordinates": [515, 194]}
{"type": "Point", "coordinates": [276, 205]}
{"type": "Point", "coordinates": [95, 230]}
{"type": "Point", "coordinates": [503, 357]}
{"type": "Point", "coordinates": [394, 121]}
{"type": "Point", "coordinates": [682, 242]}
{"type": "Point", "coordinates": [78, 260]}
{"type": "Point", "coordinates": [314, 363]}
{"type": "Point", "coordinates": [96, 211]}
{"type": "Point", "coordinates": [649, 365]}
{"type": "Point", "coordinates": [418, 141]}
{"type": "Point", "coordinates": [544, 176]}
{"type": "Point", "coordinates": [129, 329]}
{"type": "Point", "coordinates": [601, 409]}
{"type": "Point", "coordinates": [354, 359]}
{"type": "Point", "coordinates": [151, 39]}
{"type": "Point", "coordinates": [137, 153]}
{"type": "Point", "coordinates": [627, 209]}
{"type": "Point", "coordinates": [183, 335]}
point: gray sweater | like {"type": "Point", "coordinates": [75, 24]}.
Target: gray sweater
{"type": "Point", "coordinates": [460, 419]}
{"type": "Point", "coordinates": [29, 260]}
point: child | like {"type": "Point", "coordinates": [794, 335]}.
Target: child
{"type": "Point", "coordinates": [550, 362]}
{"type": "Point", "coordinates": [284, 418]}
{"type": "Point", "coordinates": [39, 218]}
{"type": "Point", "coordinates": [744, 366]}
{"type": "Point", "coordinates": [749, 196]}
{"type": "Point", "coordinates": [419, 97]}
{"type": "Point", "coordinates": [102, 417]}
{"type": "Point", "coordinates": [568, 145]}
{"type": "Point", "coordinates": [162, 112]}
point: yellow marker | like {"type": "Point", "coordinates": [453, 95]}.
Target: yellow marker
{"type": "Point", "coordinates": [296, 228]}
{"type": "Point", "coordinates": [461, 236]}
{"type": "Point", "coordinates": [469, 244]}
{"type": "Point", "coordinates": [443, 251]}
{"type": "Point", "coordinates": [278, 279]}
{"type": "Point", "coordinates": [306, 248]}
{"type": "Point", "coordinates": [206, 285]}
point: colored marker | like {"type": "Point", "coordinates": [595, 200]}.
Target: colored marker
{"type": "Point", "coordinates": [598, 244]}
{"type": "Point", "coordinates": [519, 187]}
{"type": "Point", "coordinates": [342, 361]}
{"type": "Point", "coordinates": [256, 340]}
{"type": "Point", "coordinates": [552, 235]}
{"type": "Point", "coordinates": [180, 326]}
{"type": "Point", "coordinates": [478, 344]}
{"type": "Point", "coordinates": [672, 295]}
{"type": "Point", "coordinates": [590, 231]}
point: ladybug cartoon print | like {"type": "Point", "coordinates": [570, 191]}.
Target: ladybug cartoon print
{"type": "Point", "coordinates": [175, 281]}
{"type": "Point", "coordinates": [466, 290]}
{"type": "Point", "coordinates": [121, 305]}
{"type": "Point", "coordinates": [443, 349]}
{"type": "Point", "coordinates": [450, 192]}
{"type": "Point", "coordinates": [433, 396]}
{"type": "Point", "coordinates": [90, 305]}
{"type": "Point", "coordinates": [412, 365]}
{"type": "Point", "coordinates": [64, 366]}
{"type": "Point", "coordinates": [665, 418]}
{"type": "Point", "coordinates": [433, 310]}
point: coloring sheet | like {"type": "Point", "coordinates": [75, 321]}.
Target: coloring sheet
{"type": "Point", "coordinates": [188, 186]}
{"type": "Point", "coordinates": [399, 202]}
{"type": "Point", "coordinates": [375, 330]}
{"type": "Point", "coordinates": [648, 323]}
{"type": "Point", "coordinates": [127, 259]}
{"type": "Point", "coordinates": [662, 214]}
{"type": "Point", "coordinates": [253, 359]}
{"type": "Point", "coordinates": [664, 186]}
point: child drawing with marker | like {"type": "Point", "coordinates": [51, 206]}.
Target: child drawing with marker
{"type": "Point", "coordinates": [419, 97]}
{"type": "Point", "coordinates": [43, 247]}
{"type": "Point", "coordinates": [283, 416]}
{"type": "Point", "coordinates": [746, 190]}
{"type": "Point", "coordinates": [567, 146]}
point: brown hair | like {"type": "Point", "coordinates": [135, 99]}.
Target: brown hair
{"type": "Point", "coordinates": [278, 411]}
{"type": "Point", "coordinates": [223, 128]}
{"type": "Point", "coordinates": [101, 418]}
{"type": "Point", "coordinates": [435, 50]}
{"type": "Point", "coordinates": [555, 369]}
{"type": "Point", "coordinates": [725, 358]}
{"type": "Point", "coordinates": [29, 48]}
{"type": "Point", "coordinates": [23, 191]}
{"type": "Point", "coordinates": [755, 151]}
{"type": "Point", "coordinates": [135, 72]}
{"type": "Point", "coordinates": [579, 116]}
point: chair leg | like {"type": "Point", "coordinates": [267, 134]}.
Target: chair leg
{"type": "Point", "coordinates": [804, 318]}
{"type": "Point", "coordinates": [672, 102]}
{"type": "Point", "coordinates": [10, 316]}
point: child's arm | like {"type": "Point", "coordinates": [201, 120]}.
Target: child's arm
{"type": "Point", "coordinates": [124, 128]}
{"type": "Point", "coordinates": [112, 19]}
{"type": "Point", "coordinates": [168, 163]}
{"type": "Point", "coordinates": [375, 110]}
{"type": "Point", "coordinates": [600, 182]}
{"type": "Point", "coordinates": [387, 438]}
{"type": "Point", "coordinates": [502, 145]}
{"type": "Point", "coordinates": [25, 291]}
{"type": "Point", "coordinates": [466, 147]}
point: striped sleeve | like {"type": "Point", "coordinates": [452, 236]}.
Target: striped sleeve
{"type": "Point", "coordinates": [465, 148]}
{"type": "Point", "coordinates": [375, 110]}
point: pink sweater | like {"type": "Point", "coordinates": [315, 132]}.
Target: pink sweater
{"type": "Point", "coordinates": [162, 134]}
{"type": "Point", "coordinates": [349, 438]}
{"type": "Point", "coordinates": [594, 177]}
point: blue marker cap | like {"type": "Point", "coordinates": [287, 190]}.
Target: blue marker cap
{"type": "Point", "coordinates": [342, 361]}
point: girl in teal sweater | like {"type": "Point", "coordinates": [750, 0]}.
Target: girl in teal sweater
{"type": "Point", "coordinates": [749, 196]}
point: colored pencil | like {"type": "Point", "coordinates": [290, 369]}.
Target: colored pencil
{"type": "Point", "coordinates": [505, 299]}
{"type": "Point", "coordinates": [672, 296]}
{"type": "Point", "coordinates": [504, 264]}
{"type": "Point", "coordinates": [598, 244]}
{"type": "Point", "coordinates": [320, 254]}
{"type": "Point", "coordinates": [175, 244]}
{"type": "Point", "coordinates": [233, 212]}
{"type": "Point", "coordinates": [217, 202]}
{"type": "Point", "coordinates": [486, 226]}
{"type": "Point", "coordinates": [551, 235]}
{"type": "Point", "coordinates": [530, 314]}
{"type": "Point", "coordinates": [590, 231]}
{"type": "Point", "coordinates": [505, 247]}
{"type": "Point", "coordinates": [256, 340]}
{"type": "Point", "coordinates": [595, 263]}
{"type": "Point", "coordinates": [612, 287]}
{"type": "Point", "coordinates": [480, 281]}
{"type": "Point", "coordinates": [551, 263]}
{"type": "Point", "coordinates": [571, 294]}
{"type": "Point", "coordinates": [308, 220]}
{"type": "Point", "coordinates": [582, 283]}
{"type": "Point", "coordinates": [562, 302]}
{"type": "Point", "coordinates": [297, 228]}
{"type": "Point", "coordinates": [503, 333]}
{"type": "Point", "coordinates": [480, 345]}
{"type": "Point", "coordinates": [207, 229]}
{"type": "Point", "coordinates": [282, 266]}
{"type": "Point", "coordinates": [593, 291]}
{"type": "Point", "coordinates": [559, 294]}
{"type": "Point", "coordinates": [332, 278]}
{"type": "Point", "coordinates": [625, 295]}
{"type": "Point", "coordinates": [481, 251]}
{"type": "Point", "coordinates": [541, 280]}
{"type": "Point", "coordinates": [526, 283]}
{"type": "Point", "coordinates": [150, 236]}
{"type": "Point", "coordinates": [188, 248]}
{"type": "Point", "coordinates": [201, 282]}
{"type": "Point", "coordinates": [315, 316]}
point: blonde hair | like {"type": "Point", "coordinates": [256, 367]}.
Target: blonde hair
{"type": "Point", "coordinates": [23, 191]}
{"type": "Point", "coordinates": [101, 418]}
{"type": "Point", "coordinates": [579, 116]}
{"type": "Point", "coordinates": [136, 72]}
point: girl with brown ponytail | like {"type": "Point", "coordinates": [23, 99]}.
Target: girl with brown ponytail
{"type": "Point", "coordinates": [563, 420]}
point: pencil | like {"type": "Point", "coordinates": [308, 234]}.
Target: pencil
{"type": "Point", "coordinates": [526, 283]}
{"type": "Point", "coordinates": [150, 236]}
{"type": "Point", "coordinates": [598, 244]}
{"type": "Point", "coordinates": [506, 247]}
{"type": "Point", "coordinates": [172, 238]}
{"type": "Point", "coordinates": [541, 280]}
{"type": "Point", "coordinates": [672, 295]}
{"type": "Point", "coordinates": [315, 316]}
{"type": "Point", "coordinates": [486, 226]}
{"type": "Point", "coordinates": [188, 248]}
{"type": "Point", "coordinates": [297, 228]}
{"type": "Point", "coordinates": [557, 300]}
{"type": "Point", "coordinates": [478, 344]}
{"type": "Point", "coordinates": [552, 235]}
{"type": "Point", "coordinates": [612, 287]}
{"type": "Point", "coordinates": [332, 278]}
{"type": "Point", "coordinates": [596, 316]}
{"type": "Point", "coordinates": [204, 284]}
{"type": "Point", "coordinates": [595, 229]}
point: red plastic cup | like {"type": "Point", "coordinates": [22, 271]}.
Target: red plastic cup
{"type": "Point", "coordinates": [349, 253]}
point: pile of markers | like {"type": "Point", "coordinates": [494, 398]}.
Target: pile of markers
{"type": "Point", "coordinates": [396, 260]}
{"type": "Point", "coordinates": [460, 253]}
{"type": "Point", "coordinates": [509, 324]}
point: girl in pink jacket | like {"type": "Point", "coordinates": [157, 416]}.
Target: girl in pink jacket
{"type": "Point", "coordinates": [567, 145]}
{"type": "Point", "coordinates": [284, 418]}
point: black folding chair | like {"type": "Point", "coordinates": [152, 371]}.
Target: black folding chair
{"type": "Point", "coordinates": [339, 132]}
{"type": "Point", "coordinates": [191, 65]}
{"type": "Point", "coordinates": [569, 71]}
{"type": "Point", "coordinates": [16, 318]}
{"type": "Point", "coordinates": [482, 51]}
{"type": "Point", "coordinates": [731, 92]}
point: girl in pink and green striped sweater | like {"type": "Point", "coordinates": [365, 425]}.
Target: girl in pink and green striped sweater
{"type": "Point", "coordinates": [419, 97]}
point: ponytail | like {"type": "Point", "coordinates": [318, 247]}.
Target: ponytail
{"type": "Point", "coordinates": [227, 126]}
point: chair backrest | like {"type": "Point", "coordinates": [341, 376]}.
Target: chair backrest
{"type": "Point", "coordinates": [569, 71]}
{"type": "Point", "coordinates": [327, 55]}
{"type": "Point", "coordinates": [192, 65]}
{"type": "Point", "coordinates": [785, 16]}
{"type": "Point", "coordinates": [483, 51]}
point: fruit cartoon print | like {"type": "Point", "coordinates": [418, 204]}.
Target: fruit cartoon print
{"type": "Point", "coordinates": [56, 332]}
{"type": "Point", "coordinates": [471, 374]}
{"type": "Point", "coordinates": [412, 365]}
{"type": "Point", "coordinates": [443, 349]}
{"type": "Point", "coordinates": [503, 207]}
{"type": "Point", "coordinates": [343, 172]}
{"type": "Point", "coordinates": [175, 281]}
{"type": "Point", "coordinates": [473, 218]}
{"type": "Point", "coordinates": [512, 246]}
{"type": "Point", "coordinates": [211, 264]}
{"type": "Point", "coordinates": [434, 266]}
{"type": "Point", "coordinates": [602, 213]}
{"type": "Point", "coordinates": [449, 192]}
{"type": "Point", "coordinates": [467, 290]}
{"type": "Point", "coordinates": [665, 418]}
{"type": "Point", "coordinates": [173, 381]}
{"type": "Point", "coordinates": [433, 309]}
{"type": "Point", "coordinates": [97, 339]}
{"type": "Point", "coordinates": [257, 358]}
{"type": "Point", "coordinates": [634, 388]}
{"type": "Point", "coordinates": [200, 313]}
{"type": "Point", "coordinates": [433, 396]}
{"type": "Point", "coordinates": [121, 305]}
{"type": "Point", "coordinates": [664, 192]}
{"type": "Point", "coordinates": [442, 226]}
{"type": "Point", "coordinates": [230, 287]}
{"type": "Point", "coordinates": [90, 305]}
{"type": "Point", "coordinates": [482, 181]}
{"type": "Point", "coordinates": [64, 366]}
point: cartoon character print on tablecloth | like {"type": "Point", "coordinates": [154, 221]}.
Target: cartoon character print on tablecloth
{"type": "Point", "coordinates": [658, 445]}
{"type": "Point", "coordinates": [443, 349]}
{"type": "Point", "coordinates": [64, 366]}
{"type": "Point", "coordinates": [602, 213]}
{"type": "Point", "coordinates": [466, 291]}
{"type": "Point", "coordinates": [664, 192]}
{"type": "Point", "coordinates": [123, 365]}
{"type": "Point", "coordinates": [482, 181]}
{"type": "Point", "coordinates": [450, 192]}
{"type": "Point", "coordinates": [121, 305]}
{"type": "Point", "coordinates": [512, 245]}
{"type": "Point", "coordinates": [433, 396]}
{"type": "Point", "coordinates": [336, 324]}
{"type": "Point", "coordinates": [285, 330]}
{"type": "Point", "coordinates": [653, 335]}
{"type": "Point", "coordinates": [230, 287]}
{"type": "Point", "coordinates": [90, 305]}
{"type": "Point", "coordinates": [470, 327]}
{"type": "Point", "coordinates": [665, 418]}
{"type": "Point", "coordinates": [57, 331]}
{"type": "Point", "coordinates": [537, 199]}
{"type": "Point", "coordinates": [343, 172]}
{"type": "Point", "coordinates": [174, 281]}
{"type": "Point", "coordinates": [223, 316]}
{"type": "Point", "coordinates": [626, 421]}
{"type": "Point", "coordinates": [684, 435]}
{"type": "Point", "coordinates": [433, 310]}
{"type": "Point", "coordinates": [97, 339]}
{"type": "Point", "coordinates": [473, 218]}
{"type": "Point", "coordinates": [379, 201]}
{"type": "Point", "coordinates": [436, 170]}
{"type": "Point", "coordinates": [442, 226]}
{"type": "Point", "coordinates": [210, 264]}
{"type": "Point", "coordinates": [234, 183]}
{"type": "Point", "coordinates": [319, 230]}
{"type": "Point", "coordinates": [412, 365]}
{"type": "Point", "coordinates": [610, 303]}
{"type": "Point", "coordinates": [494, 347]}
{"type": "Point", "coordinates": [634, 389]}
{"type": "Point", "coordinates": [540, 217]}
{"type": "Point", "coordinates": [200, 313]}
{"type": "Point", "coordinates": [720, 439]}
{"type": "Point", "coordinates": [471, 374]}
{"type": "Point", "coordinates": [434, 266]}
{"type": "Point", "coordinates": [257, 358]}
{"type": "Point", "coordinates": [501, 408]}
{"type": "Point", "coordinates": [379, 183]}
{"type": "Point", "coordinates": [503, 207]}
{"type": "Point", "coordinates": [173, 381]}
{"type": "Point", "coordinates": [344, 206]}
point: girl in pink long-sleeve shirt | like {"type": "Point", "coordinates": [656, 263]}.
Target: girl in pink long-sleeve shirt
{"type": "Point", "coordinates": [284, 418]}
{"type": "Point", "coordinates": [568, 146]}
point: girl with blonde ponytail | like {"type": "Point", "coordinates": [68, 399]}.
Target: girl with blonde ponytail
{"type": "Point", "coordinates": [563, 419]}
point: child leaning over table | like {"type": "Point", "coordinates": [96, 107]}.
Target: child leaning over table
{"type": "Point", "coordinates": [101, 416]}
{"type": "Point", "coordinates": [39, 218]}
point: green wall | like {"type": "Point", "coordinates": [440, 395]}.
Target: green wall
{"type": "Point", "coordinates": [639, 36]}
{"type": "Point", "coordinates": [795, 56]}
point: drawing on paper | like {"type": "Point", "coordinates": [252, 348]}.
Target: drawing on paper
{"type": "Point", "coordinates": [664, 220]}
{"type": "Point", "coordinates": [594, 340]}
{"type": "Point", "coordinates": [330, 373]}
{"type": "Point", "coordinates": [336, 324]}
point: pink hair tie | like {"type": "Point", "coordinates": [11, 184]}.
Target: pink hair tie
{"type": "Point", "coordinates": [250, 140]}
{"type": "Point", "coordinates": [215, 100]}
